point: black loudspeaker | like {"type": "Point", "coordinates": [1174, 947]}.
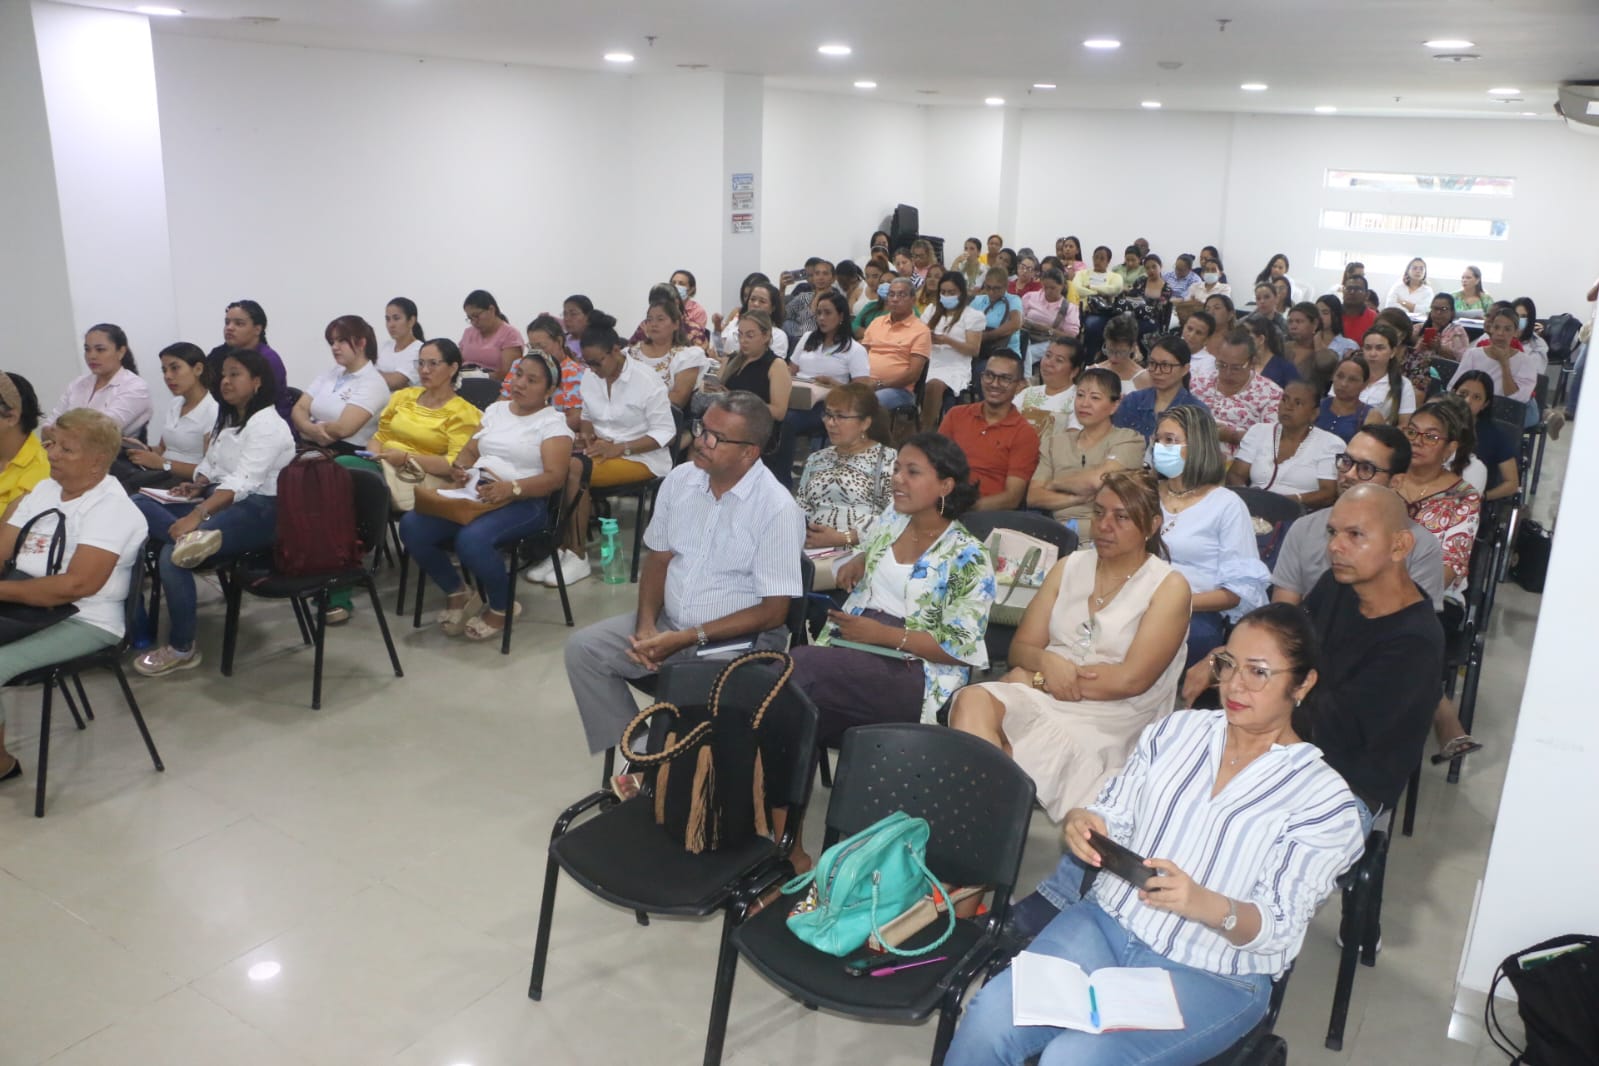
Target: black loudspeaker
{"type": "Point", "coordinates": [903, 227]}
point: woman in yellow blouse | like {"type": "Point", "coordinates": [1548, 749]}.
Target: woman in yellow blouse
{"type": "Point", "coordinates": [23, 463]}
{"type": "Point", "coordinates": [430, 423]}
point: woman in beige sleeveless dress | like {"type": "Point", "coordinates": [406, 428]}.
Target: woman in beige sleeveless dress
{"type": "Point", "coordinates": [1098, 656]}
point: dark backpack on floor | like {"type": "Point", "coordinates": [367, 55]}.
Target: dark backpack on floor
{"type": "Point", "coordinates": [1531, 567]}
{"type": "Point", "coordinates": [316, 530]}
{"type": "Point", "coordinates": [1557, 990]}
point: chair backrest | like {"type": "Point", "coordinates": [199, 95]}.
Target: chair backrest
{"type": "Point", "coordinates": [976, 800]}
{"type": "Point", "coordinates": [981, 524]}
{"type": "Point", "coordinates": [1273, 507]}
{"type": "Point", "coordinates": [479, 392]}
{"type": "Point", "coordinates": [1446, 368]}
{"type": "Point", "coordinates": [797, 633]}
{"type": "Point", "coordinates": [1540, 393]}
{"type": "Point", "coordinates": [371, 509]}
{"type": "Point", "coordinates": [1511, 413]}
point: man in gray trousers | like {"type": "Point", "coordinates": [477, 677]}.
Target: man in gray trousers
{"type": "Point", "coordinates": [723, 561]}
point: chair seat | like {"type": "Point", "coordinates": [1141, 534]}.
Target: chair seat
{"type": "Point", "coordinates": [101, 657]}
{"type": "Point", "coordinates": [817, 977]}
{"type": "Point", "coordinates": [274, 586]}
{"type": "Point", "coordinates": [622, 856]}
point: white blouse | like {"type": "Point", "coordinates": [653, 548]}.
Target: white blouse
{"type": "Point", "coordinates": [184, 435]}
{"type": "Point", "coordinates": [827, 361]}
{"type": "Point", "coordinates": [946, 364]}
{"type": "Point", "coordinates": [401, 361]}
{"type": "Point", "coordinates": [519, 439]}
{"type": "Point", "coordinates": [336, 388]}
{"type": "Point", "coordinates": [1376, 395]}
{"type": "Point", "coordinates": [1421, 298]}
{"type": "Point", "coordinates": [246, 460]}
{"type": "Point", "coordinates": [1299, 473]}
{"type": "Point", "coordinates": [635, 406]}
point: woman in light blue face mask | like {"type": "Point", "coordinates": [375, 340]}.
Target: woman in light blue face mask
{"type": "Point", "coordinates": [957, 335]}
{"type": "Point", "coordinates": [1207, 528]}
{"type": "Point", "coordinates": [878, 275]}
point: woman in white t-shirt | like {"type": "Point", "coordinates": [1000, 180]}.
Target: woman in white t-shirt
{"type": "Point", "coordinates": [520, 456]}
{"type": "Point", "coordinates": [1411, 293]}
{"type": "Point", "coordinates": [825, 358]}
{"type": "Point", "coordinates": [666, 351]}
{"type": "Point", "coordinates": [1387, 391]}
{"type": "Point", "coordinates": [1051, 407]}
{"type": "Point", "coordinates": [957, 337]}
{"type": "Point", "coordinates": [184, 425]}
{"type": "Point", "coordinates": [1290, 457]}
{"type": "Point", "coordinates": [104, 532]}
{"type": "Point", "coordinates": [398, 352]}
{"type": "Point", "coordinates": [340, 409]}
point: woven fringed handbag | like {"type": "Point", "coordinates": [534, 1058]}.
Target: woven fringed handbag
{"type": "Point", "coordinates": [708, 781]}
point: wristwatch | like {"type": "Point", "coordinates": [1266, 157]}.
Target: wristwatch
{"type": "Point", "coordinates": [1229, 923]}
{"type": "Point", "coordinates": [699, 636]}
{"type": "Point", "coordinates": [626, 452]}
{"type": "Point", "coordinates": [516, 488]}
{"type": "Point", "coordinates": [166, 464]}
{"type": "Point", "coordinates": [1038, 679]}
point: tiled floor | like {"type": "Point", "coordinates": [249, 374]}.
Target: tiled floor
{"type": "Point", "coordinates": [360, 884]}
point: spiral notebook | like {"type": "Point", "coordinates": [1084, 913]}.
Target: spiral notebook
{"type": "Point", "coordinates": [1056, 992]}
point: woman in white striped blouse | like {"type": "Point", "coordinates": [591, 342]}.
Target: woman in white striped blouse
{"type": "Point", "coordinates": [1248, 829]}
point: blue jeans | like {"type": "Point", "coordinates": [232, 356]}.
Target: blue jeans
{"type": "Point", "coordinates": [1093, 334]}
{"type": "Point", "coordinates": [428, 539]}
{"type": "Point", "coordinates": [796, 424]}
{"type": "Point", "coordinates": [892, 399]}
{"type": "Point", "coordinates": [247, 525]}
{"type": "Point", "coordinates": [1205, 630]}
{"type": "Point", "coordinates": [1218, 1009]}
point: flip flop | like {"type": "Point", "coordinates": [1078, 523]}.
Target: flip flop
{"type": "Point", "coordinates": [1458, 748]}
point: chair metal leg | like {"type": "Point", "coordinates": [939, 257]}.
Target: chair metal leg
{"type": "Point", "coordinates": [405, 576]}
{"type": "Point", "coordinates": [825, 764]}
{"type": "Point", "coordinates": [44, 751]}
{"type": "Point", "coordinates": [421, 587]}
{"type": "Point", "coordinates": [638, 534]}
{"type": "Point", "coordinates": [321, 638]}
{"type": "Point", "coordinates": [301, 619]}
{"type": "Point", "coordinates": [722, 991]}
{"type": "Point", "coordinates": [1412, 792]}
{"type": "Point", "coordinates": [608, 768]}
{"type": "Point", "coordinates": [510, 612]}
{"type": "Point", "coordinates": [138, 717]}
{"type": "Point", "coordinates": [949, 1013]}
{"type": "Point", "coordinates": [560, 586]}
{"type": "Point", "coordinates": [1468, 696]}
{"type": "Point", "coordinates": [1359, 905]}
{"type": "Point", "coordinates": [231, 594]}
{"type": "Point", "coordinates": [72, 705]}
{"type": "Point", "coordinates": [541, 945]}
{"type": "Point", "coordinates": [383, 626]}
{"type": "Point", "coordinates": [641, 917]}
{"type": "Point", "coordinates": [1537, 461]}
{"type": "Point", "coordinates": [83, 697]}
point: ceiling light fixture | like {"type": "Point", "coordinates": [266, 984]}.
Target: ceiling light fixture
{"type": "Point", "coordinates": [1103, 44]}
{"type": "Point", "coordinates": [1504, 91]}
{"type": "Point", "coordinates": [1326, 109]}
{"type": "Point", "coordinates": [1253, 86]}
{"type": "Point", "coordinates": [866, 85]}
{"type": "Point", "coordinates": [994, 101]}
{"type": "Point", "coordinates": [1449, 42]}
{"type": "Point", "coordinates": [161, 12]}
{"type": "Point", "coordinates": [1152, 105]}
{"type": "Point", "coordinates": [1043, 85]}
{"type": "Point", "coordinates": [618, 57]}
{"type": "Point", "coordinates": [834, 49]}
{"type": "Point", "coordinates": [1529, 114]}
{"type": "Point", "coordinates": [264, 971]}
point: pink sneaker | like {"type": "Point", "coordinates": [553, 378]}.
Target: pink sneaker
{"type": "Point", "coordinates": [166, 659]}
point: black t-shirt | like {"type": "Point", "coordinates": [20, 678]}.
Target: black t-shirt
{"type": "Point", "coordinates": [754, 376]}
{"type": "Point", "coordinates": [1380, 681]}
{"type": "Point", "coordinates": [1494, 446]}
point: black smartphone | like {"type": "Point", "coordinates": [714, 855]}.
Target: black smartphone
{"type": "Point", "coordinates": [1124, 863]}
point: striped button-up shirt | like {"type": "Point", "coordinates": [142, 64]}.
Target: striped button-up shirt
{"type": "Point", "coordinates": [729, 553]}
{"type": "Point", "coordinates": [1277, 836]}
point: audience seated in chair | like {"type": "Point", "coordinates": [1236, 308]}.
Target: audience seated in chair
{"type": "Point", "coordinates": [1387, 391]}
{"type": "Point", "coordinates": [1120, 353]}
{"type": "Point", "coordinates": [898, 345]}
{"type": "Point", "coordinates": [1293, 457]}
{"type": "Point", "coordinates": [800, 312]}
{"type": "Point", "coordinates": [1342, 412]}
{"type": "Point", "coordinates": [957, 334]}
{"type": "Point", "coordinates": [546, 334]}
{"type": "Point", "coordinates": [1098, 656]}
{"type": "Point", "coordinates": [183, 426]}
{"type": "Point", "coordinates": [244, 325]}
{"type": "Point", "coordinates": [724, 561]}
{"type": "Point", "coordinates": [398, 352]}
{"type": "Point", "coordinates": [1245, 844]}
{"type": "Point", "coordinates": [23, 460]}
{"type": "Point", "coordinates": [667, 351]}
{"type": "Point", "coordinates": [1052, 406]}
{"type": "Point", "coordinates": [1382, 651]}
{"type": "Point", "coordinates": [756, 368]}
{"type": "Point", "coordinates": [112, 385]}
{"type": "Point", "coordinates": [1169, 359]}
{"type": "Point", "coordinates": [339, 410]}
{"type": "Point", "coordinates": [234, 509]}
{"type": "Point", "coordinates": [847, 485]}
{"type": "Point", "coordinates": [1497, 449]}
{"type": "Point", "coordinates": [1073, 462]}
{"type": "Point", "coordinates": [756, 294]}
{"type": "Point", "coordinates": [825, 358]}
{"type": "Point", "coordinates": [526, 445]}
{"type": "Point", "coordinates": [1514, 372]}
{"type": "Point", "coordinates": [1000, 445]}
{"type": "Point", "coordinates": [489, 343]}
{"type": "Point", "coordinates": [1236, 395]}
{"type": "Point", "coordinates": [1207, 529]}
{"type": "Point", "coordinates": [104, 532]}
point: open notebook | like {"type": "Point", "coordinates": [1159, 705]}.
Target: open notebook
{"type": "Point", "coordinates": [1050, 991]}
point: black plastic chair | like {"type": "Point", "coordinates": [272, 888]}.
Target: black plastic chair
{"type": "Point", "coordinates": [56, 676]}
{"type": "Point", "coordinates": [1361, 928]}
{"type": "Point", "coordinates": [1445, 368]}
{"type": "Point", "coordinates": [479, 392]}
{"type": "Point", "coordinates": [981, 524]}
{"type": "Point", "coordinates": [257, 577]}
{"type": "Point", "coordinates": [1278, 510]}
{"type": "Point", "coordinates": [623, 857]}
{"type": "Point", "coordinates": [1536, 436]}
{"type": "Point", "coordinates": [977, 803]}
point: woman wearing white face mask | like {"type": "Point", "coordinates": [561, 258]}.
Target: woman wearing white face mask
{"type": "Point", "coordinates": [957, 335]}
{"type": "Point", "coordinates": [694, 317]}
{"type": "Point", "coordinates": [1210, 284]}
{"type": "Point", "coordinates": [1207, 528]}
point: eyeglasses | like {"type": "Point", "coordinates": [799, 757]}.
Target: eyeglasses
{"type": "Point", "coordinates": [1255, 677]}
{"type": "Point", "coordinates": [1161, 366]}
{"type": "Point", "coordinates": [1364, 471]}
{"type": "Point", "coordinates": [1234, 367]}
{"type": "Point", "coordinates": [1416, 436]}
{"type": "Point", "coordinates": [427, 364]}
{"type": "Point", "coordinates": [991, 378]}
{"type": "Point", "coordinates": [839, 416]}
{"type": "Point", "coordinates": [714, 439]}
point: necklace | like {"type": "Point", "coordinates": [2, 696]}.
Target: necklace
{"type": "Point", "coordinates": [1099, 601]}
{"type": "Point", "coordinates": [1179, 494]}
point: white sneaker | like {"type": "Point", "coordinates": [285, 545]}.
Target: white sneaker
{"type": "Point", "coordinates": [539, 574]}
{"type": "Point", "coordinates": [574, 568]}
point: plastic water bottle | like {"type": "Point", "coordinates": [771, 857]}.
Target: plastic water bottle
{"type": "Point", "coordinates": [613, 567]}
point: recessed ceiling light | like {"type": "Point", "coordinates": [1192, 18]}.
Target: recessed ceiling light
{"type": "Point", "coordinates": [164, 12]}
{"type": "Point", "coordinates": [1504, 91]}
{"type": "Point", "coordinates": [834, 49]}
{"type": "Point", "coordinates": [1104, 44]}
{"type": "Point", "coordinates": [1253, 86]}
{"type": "Point", "coordinates": [1153, 105]}
{"type": "Point", "coordinates": [1531, 114]}
{"type": "Point", "coordinates": [618, 57]}
{"type": "Point", "coordinates": [995, 101]}
{"type": "Point", "coordinates": [1043, 85]}
{"type": "Point", "coordinates": [264, 971]}
{"type": "Point", "coordinates": [1326, 109]}
{"type": "Point", "coordinates": [866, 85]}
{"type": "Point", "coordinates": [1449, 42]}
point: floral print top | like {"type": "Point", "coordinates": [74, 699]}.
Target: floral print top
{"type": "Point", "coordinates": [950, 591]}
{"type": "Point", "coordinates": [1255, 403]}
{"type": "Point", "coordinates": [1451, 515]}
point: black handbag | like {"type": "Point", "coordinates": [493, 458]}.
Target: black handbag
{"type": "Point", "coordinates": [1531, 566]}
{"type": "Point", "coordinates": [1557, 988]}
{"type": "Point", "coordinates": [18, 620]}
{"type": "Point", "coordinates": [708, 780]}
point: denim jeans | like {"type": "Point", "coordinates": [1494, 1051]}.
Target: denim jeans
{"type": "Point", "coordinates": [246, 526]}
{"type": "Point", "coordinates": [796, 424]}
{"type": "Point", "coordinates": [1218, 1009]}
{"type": "Point", "coordinates": [429, 538]}
{"type": "Point", "coordinates": [892, 399]}
{"type": "Point", "coordinates": [1205, 629]}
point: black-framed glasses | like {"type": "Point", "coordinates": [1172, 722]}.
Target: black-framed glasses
{"type": "Point", "coordinates": [1254, 676]}
{"type": "Point", "coordinates": [1161, 366]}
{"type": "Point", "coordinates": [1364, 471]}
{"type": "Point", "coordinates": [991, 378]}
{"type": "Point", "coordinates": [712, 438]}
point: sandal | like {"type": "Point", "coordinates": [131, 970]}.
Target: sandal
{"type": "Point", "coordinates": [453, 620]}
{"type": "Point", "coordinates": [478, 628]}
{"type": "Point", "coordinates": [1458, 748]}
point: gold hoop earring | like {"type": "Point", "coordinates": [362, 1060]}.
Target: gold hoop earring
{"type": "Point", "coordinates": [941, 500]}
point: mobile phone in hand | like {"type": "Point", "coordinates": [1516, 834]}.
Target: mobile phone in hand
{"type": "Point", "coordinates": [1123, 862]}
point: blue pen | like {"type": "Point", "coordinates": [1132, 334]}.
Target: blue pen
{"type": "Point", "coordinates": [1093, 1008]}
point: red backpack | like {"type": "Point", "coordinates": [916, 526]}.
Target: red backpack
{"type": "Point", "coordinates": [316, 530]}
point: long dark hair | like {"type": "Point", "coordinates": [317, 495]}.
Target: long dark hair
{"type": "Point", "coordinates": [957, 279]}
{"type": "Point", "coordinates": [842, 338]}
{"type": "Point", "coordinates": [119, 339]}
{"type": "Point", "coordinates": [266, 396]}
{"type": "Point", "coordinates": [1335, 307]}
{"type": "Point", "coordinates": [408, 308]}
{"type": "Point", "coordinates": [948, 461]}
{"type": "Point", "coordinates": [601, 332]}
{"type": "Point", "coordinates": [28, 411]}
{"type": "Point", "coordinates": [191, 354]}
{"type": "Point", "coordinates": [256, 312]}
{"type": "Point", "coordinates": [350, 329]}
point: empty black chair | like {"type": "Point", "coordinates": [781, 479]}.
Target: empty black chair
{"type": "Point", "coordinates": [977, 803]}
{"type": "Point", "coordinates": [479, 392]}
{"type": "Point", "coordinates": [256, 576]}
{"type": "Point", "coordinates": [623, 857]}
{"type": "Point", "coordinates": [56, 676]}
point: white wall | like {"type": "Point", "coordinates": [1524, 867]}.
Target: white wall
{"type": "Point", "coordinates": [35, 303]}
{"type": "Point", "coordinates": [100, 95]}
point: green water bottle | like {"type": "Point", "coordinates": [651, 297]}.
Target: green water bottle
{"type": "Point", "coordinates": [613, 567]}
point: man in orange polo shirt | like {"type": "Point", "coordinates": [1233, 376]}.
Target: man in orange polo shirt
{"type": "Point", "coordinates": [1000, 445]}
{"type": "Point", "coordinates": [898, 345]}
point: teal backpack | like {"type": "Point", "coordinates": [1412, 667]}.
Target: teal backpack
{"type": "Point", "coordinates": [864, 882]}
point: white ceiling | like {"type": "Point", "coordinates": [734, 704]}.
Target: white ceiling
{"type": "Point", "coordinates": [1361, 56]}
